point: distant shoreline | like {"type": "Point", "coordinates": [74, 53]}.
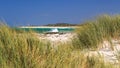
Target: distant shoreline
{"type": "Point", "coordinates": [48, 27]}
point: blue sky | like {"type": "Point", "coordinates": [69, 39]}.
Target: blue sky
{"type": "Point", "coordinates": [41, 12]}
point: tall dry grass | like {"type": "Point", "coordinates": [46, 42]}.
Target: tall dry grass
{"type": "Point", "coordinates": [24, 50]}
{"type": "Point", "coordinates": [96, 31]}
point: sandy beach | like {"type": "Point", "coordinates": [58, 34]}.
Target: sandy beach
{"type": "Point", "coordinates": [109, 51]}
{"type": "Point", "coordinates": [109, 54]}
{"type": "Point", "coordinates": [48, 27]}
{"type": "Point", "coordinates": [57, 38]}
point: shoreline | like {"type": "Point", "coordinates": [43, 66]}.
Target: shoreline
{"type": "Point", "coordinates": [48, 27]}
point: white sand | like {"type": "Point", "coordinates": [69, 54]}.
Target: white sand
{"type": "Point", "coordinates": [107, 51]}
{"type": "Point", "coordinates": [48, 27]}
{"type": "Point", "coordinates": [57, 39]}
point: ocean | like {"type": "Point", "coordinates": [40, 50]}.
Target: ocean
{"type": "Point", "coordinates": [49, 29]}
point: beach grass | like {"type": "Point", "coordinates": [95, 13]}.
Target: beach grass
{"type": "Point", "coordinates": [96, 31]}
{"type": "Point", "coordinates": [20, 49]}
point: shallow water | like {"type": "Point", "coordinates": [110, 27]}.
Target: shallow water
{"type": "Point", "coordinates": [43, 30]}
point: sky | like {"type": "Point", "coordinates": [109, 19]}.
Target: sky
{"type": "Point", "coordinates": [42, 12]}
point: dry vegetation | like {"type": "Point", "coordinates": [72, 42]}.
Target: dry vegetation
{"type": "Point", "coordinates": [25, 50]}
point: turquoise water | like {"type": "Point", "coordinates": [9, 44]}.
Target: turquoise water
{"type": "Point", "coordinates": [43, 30]}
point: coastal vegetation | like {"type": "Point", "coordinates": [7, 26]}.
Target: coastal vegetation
{"type": "Point", "coordinates": [20, 49]}
{"type": "Point", "coordinates": [61, 24]}
{"type": "Point", "coordinates": [97, 31]}
{"type": "Point", "coordinates": [24, 50]}
{"type": "Point", "coordinates": [56, 24]}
